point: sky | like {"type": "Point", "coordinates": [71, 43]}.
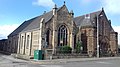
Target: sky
{"type": "Point", "coordinates": [15, 12]}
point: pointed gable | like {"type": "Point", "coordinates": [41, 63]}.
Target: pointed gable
{"type": "Point", "coordinates": [63, 8]}
{"type": "Point", "coordinates": [62, 13]}
{"type": "Point", "coordinates": [34, 22]}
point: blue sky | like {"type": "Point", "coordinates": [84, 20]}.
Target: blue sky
{"type": "Point", "coordinates": [14, 12]}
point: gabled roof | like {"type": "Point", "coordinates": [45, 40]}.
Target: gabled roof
{"type": "Point", "coordinates": [78, 20]}
{"type": "Point", "coordinates": [32, 23]}
{"type": "Point", "coordinates": [111, 29]}
{"type": "Point", "coordinates": [87, 22]}
{"type": "Point", "coordinates": [82, 21]}
{"type": "Point", "coordinates": [21, 27]}
{"type": "Point", "coordinates": [36, 23]}
{"type": "Point", "coordinates": [62, 7]}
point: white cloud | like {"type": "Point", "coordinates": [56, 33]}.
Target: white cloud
{"type": "Point", "coordinates": [44, 3]}
{"type": "Point", "coordinates": [117, 29]}
{"type": "Point", "coordinates": [111, 6]}
{"type": "Point", "coordinates": [5, 30]}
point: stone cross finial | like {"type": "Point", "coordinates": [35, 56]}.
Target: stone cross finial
{"type": "Point", "coordinates": [64, 2]}
{"type": "Point", "coordinates": [102, 9]}
{"type": "Point", "coordinates": [55, 6]}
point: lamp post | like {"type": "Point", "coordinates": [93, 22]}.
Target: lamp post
{"type": "Point", "coordinates": [97, 37]}
{"type": "Point", "coordinates": [98, 46]}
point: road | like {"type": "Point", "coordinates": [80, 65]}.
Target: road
{"type": "Point", "coordinates": [8, 61]}
{"type": "Point", "coordinates": [97, 63]}
{"type": "Point", "coordinates": [100, 63]}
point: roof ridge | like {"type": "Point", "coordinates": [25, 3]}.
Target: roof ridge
{"type": "Point", "coordinates": [96, 11]}
{"type": "Point", "coordinates": [61, 7]}
{"type": "Point", "coordinates": [88, 13]}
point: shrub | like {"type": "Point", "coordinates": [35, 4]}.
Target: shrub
{"type": "Point", "coordinates": [65, 49]}
{"type": "Point", "coordinates": [78, 47]}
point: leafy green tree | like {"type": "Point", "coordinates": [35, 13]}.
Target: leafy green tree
{"type": "Point", "coordinates": [78, 47]}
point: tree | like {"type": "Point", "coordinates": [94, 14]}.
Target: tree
{"type": "Point", "coordinates": [78, 47]}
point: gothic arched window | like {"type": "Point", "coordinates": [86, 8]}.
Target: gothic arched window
{"type": "Point", "coordinates": [62, 35]}
{"type": "Point", "coordinates": [47, 37]}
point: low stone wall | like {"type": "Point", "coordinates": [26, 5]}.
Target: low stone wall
{"type": "Point", "coordinates": [64, 56]}
{"type": "Point", "coordinates": [6, 53]}
{"type": "Point", "coordinates": [25, 57]}
{"type": "Point", "coordinates": [119, 54]}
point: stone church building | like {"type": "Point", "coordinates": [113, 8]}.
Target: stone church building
{"type": "Point", "coordinates": [59, 27]}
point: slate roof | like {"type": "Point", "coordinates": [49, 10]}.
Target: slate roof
{"type": "Point", "coordinates": [36, 23]}
{"type": "Point", "coordinates": [32, 23]}
{"type": "Point", "coordinates": [82, 21]}
{"type": "Point", "coordinates": [111, 29]}
{"type": "Point", "coordinates": [21, 27]}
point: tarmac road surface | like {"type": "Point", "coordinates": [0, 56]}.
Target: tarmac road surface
{"type": "Point", "coordinates": [8, 61]}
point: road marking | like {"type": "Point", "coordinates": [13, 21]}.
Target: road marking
{"type": "Point", "coordinates": [51, 66]}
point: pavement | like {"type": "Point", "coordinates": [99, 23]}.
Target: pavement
{"type": "Point", "coordinates": [96, 63]}
{"type": "Point", "coordinates": [57, 61]}
{"type": "Point", "coordinates": [10, 61]}
{"type": "Point", "coordinates": [9, 57]}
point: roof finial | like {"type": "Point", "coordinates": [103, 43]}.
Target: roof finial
{"type": "Point", "coordinates": [55, 6]}
{"type": "Point", "coordinates": [64, 2]}
{"type": "Point", "coordinates": [44, 12]}
{"type": "Point", "coordinates": [71, 12]}
{"type": "Point", "coordinates": [102, 8]}
{"type": "Point", "coordinates": [110, 21]}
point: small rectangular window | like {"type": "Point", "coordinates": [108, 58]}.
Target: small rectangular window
{"type": "Point", "coordinates": [22, 42]}
{"type": "Point", "coordinates": [28, 41]}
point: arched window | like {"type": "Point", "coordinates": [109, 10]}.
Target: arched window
{"type": "Point", "coordinates": [47, 37]}
{"type": "Point", "coordinates": [62, 35]}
